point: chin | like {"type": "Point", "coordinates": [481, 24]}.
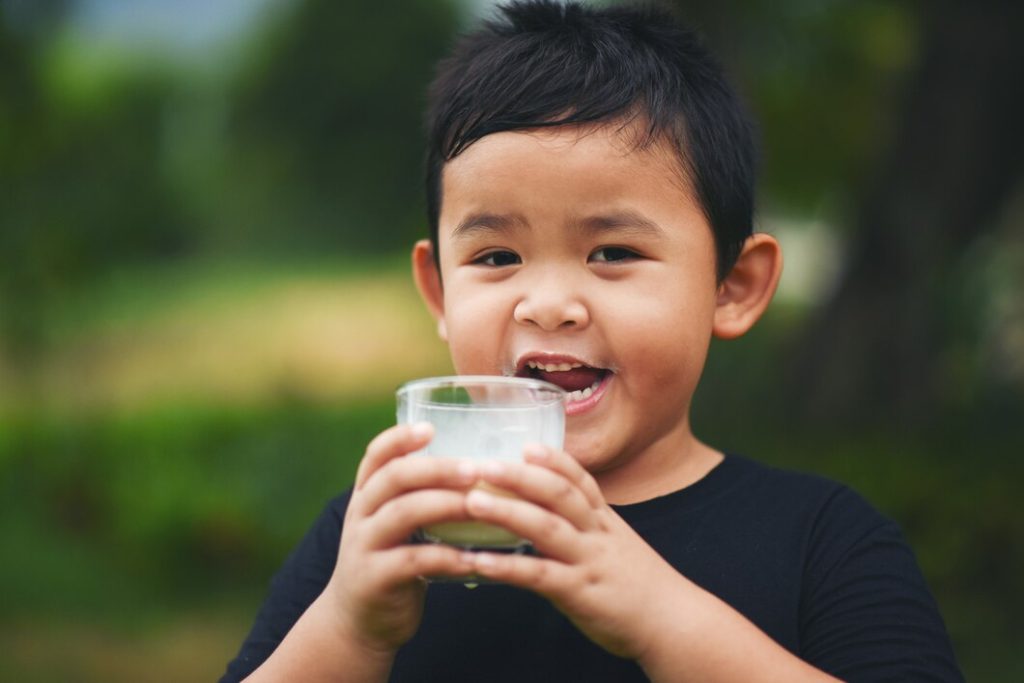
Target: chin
{"type": "Point", "coordinates": [585, 452]}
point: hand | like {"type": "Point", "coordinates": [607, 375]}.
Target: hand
{"type": "Point", "coordinates": [377, 585]}
{"type": "Point", "coordinates": [595, 568]}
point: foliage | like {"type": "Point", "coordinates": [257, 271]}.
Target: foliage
{"type": "Point", "coordinates": [325, 125]}
{"type": "Point", "coordinates": [75, 200]}
{"type": "Point", "coordinates": [823, 80]}
{"type": "Point", "coordinates": [175, 504]}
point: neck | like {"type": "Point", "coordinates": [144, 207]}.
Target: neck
{"type": "Point", "coordinates": [670, 464]}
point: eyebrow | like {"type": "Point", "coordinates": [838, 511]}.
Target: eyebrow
{"type": "Point", "coordinates": [488, 222]}
{"type": "Point", "coordinates": [625, 222]}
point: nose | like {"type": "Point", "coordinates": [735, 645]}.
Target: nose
{"type": "Point", "coordinates": [552, 305]}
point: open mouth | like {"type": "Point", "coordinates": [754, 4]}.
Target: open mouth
{"type": "Point", "coordinates": [580, 381]}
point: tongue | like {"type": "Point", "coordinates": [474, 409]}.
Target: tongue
{"type": "Point", "coordinates": [572, 380]}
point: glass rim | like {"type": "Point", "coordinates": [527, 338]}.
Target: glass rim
{"type": "Point", "coordinates": [558, 393]}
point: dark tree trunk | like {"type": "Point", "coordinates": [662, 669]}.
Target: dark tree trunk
{"type": "Point", "coordinates": [876, 351]}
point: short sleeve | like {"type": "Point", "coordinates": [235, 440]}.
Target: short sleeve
{"type": "Point", "coordinates": [866, 611]}
{"type": "Point", "coordinates": [295, 586]}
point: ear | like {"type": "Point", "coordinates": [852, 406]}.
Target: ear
{"type": "Point", "coordinates": [428, 281]}
{"type": "Point", "coordinates": [748, 288]}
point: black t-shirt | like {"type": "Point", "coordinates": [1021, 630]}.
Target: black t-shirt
{"type": "Point", "coordinates": [805, 559]}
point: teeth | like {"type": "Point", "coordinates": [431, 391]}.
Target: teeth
{"type": "Point", "coordinates": [553, 367]}
{"type": "Point", "coordinates": [582, 394]}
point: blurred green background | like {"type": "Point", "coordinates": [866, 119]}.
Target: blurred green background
{"type": "Point", "coordinates": [205, 214]}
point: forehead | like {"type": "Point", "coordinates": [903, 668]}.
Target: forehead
{"type": "Point", "coordinates": [565, 164]}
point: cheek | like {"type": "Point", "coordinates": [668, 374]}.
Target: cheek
{"type": "Point", "coordinates": [669, 331]}
{"type": "Point", "coordinates": [471, 359]}
{"type": "Point", "coordinates": [663, 359]}
{"type": "Point", "coordinates": [475, 327]}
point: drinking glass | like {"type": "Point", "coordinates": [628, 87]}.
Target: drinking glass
{"type": "Point", "coordinates": [482, 418]}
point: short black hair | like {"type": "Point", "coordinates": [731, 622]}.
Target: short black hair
{"type": "Point", "coordinates": [542, 63]}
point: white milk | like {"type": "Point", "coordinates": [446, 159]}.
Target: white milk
{"type": "Point", "coordinates": [507, 414]}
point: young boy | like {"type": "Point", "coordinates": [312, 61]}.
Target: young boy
{"type": "Point", "coordinates": [590, 185]}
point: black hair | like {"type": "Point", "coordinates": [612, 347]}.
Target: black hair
{"type": "Point", "coordinates": [543, 63]}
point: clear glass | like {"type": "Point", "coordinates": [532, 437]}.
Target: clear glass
{"type": "Point", "coordinates": [482, 418]}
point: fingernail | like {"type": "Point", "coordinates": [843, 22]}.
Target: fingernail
{"type": "Point", "coordinates": [493, 468]}
{"type": "Point", "coordinates": [480, 500]}
{"type": "Point", "coordinates": [535, 451]}
{"type": "Point", "coordinates": [483, 560]}
{"type": "Point", "coordinates": [422, 430]}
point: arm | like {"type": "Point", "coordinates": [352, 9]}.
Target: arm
{"type": "Point", "coordinates": [867, 612]}
{"type": "Point", "coordinates": [373, 601]}
{"type": "Point", "coordinates": [698, 637]}
{"type": "Point", "coordinates": [296, 585]}
{"type": "Point", "coordinates": [614, 587]}
{"type": "Point", "coordinates": [320, 648]}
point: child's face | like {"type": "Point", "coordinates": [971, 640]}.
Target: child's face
{"type": "Point", "coordinates": [566, 247]}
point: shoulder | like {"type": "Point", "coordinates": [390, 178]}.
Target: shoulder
{"type": "Point", "coordinates": [822, 520]}
{"type": "Point", "coordinates": [865, 610]}
{"type": "Point", "coordinates": [798, 522]}
{"type": "Point", "coordinates": [754, 472]}
{"type": "Point", "coordinates": [801, 493]}
{"type": "Point", "coordinates": [746, 499]}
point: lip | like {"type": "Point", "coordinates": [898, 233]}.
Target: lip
{"type": "Point", "coordinates": [582, 406]}
{"type": "Point", "coordinates": [548, 357]}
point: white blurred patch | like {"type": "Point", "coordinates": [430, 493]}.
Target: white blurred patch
{"type": "Point", "coordinates": [812, 254]}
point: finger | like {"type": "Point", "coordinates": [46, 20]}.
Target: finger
{"type": "Point", "coordinates": [399, 517]}
{"type": "Point", "coordinates": [543, 486]}
{"type": "Point", "coordinates": [545, 576]}
{"type": "Point", "coordinates": [566, 465]}
{"type": "Point", "coordinates": [408, 562]}
{"type": "Point", "coordinates": [389, 444]}
{"type": "Point", "coordinates": [551, 534]}
{"type": "Point", "coordinates": [402, 475]}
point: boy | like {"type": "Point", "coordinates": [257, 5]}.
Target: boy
{"type": "Point", "coordinates": [590, 186]}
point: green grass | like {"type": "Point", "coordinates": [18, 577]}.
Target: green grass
{"type": "Point", "coordinates": [145, 543]}
{"type": "Point", "coordinates": [188, 645]}
{"type": "Point", "coordinates": [180, 503]}
{"type": "Point", "coordinates": [140, 295]}
{"type": "Point", "coordinates": [235, 335]}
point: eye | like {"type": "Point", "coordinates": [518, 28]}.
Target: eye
{"type": "Point", "coordinates": [498, 259]}
{"type": "Point", "coordinates": [613, 254]}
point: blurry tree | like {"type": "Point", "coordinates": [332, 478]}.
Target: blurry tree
{"type": "Point", "coordinates": [325, 126]}
{"type": "Point", "coordinates": [899, 122]}
{"type": "Point", "coordinates": [80, 178]}
{"type": "Point", "coordinates": [894, 336]}
{"type": "Point", "coordinates": [819, 76]}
